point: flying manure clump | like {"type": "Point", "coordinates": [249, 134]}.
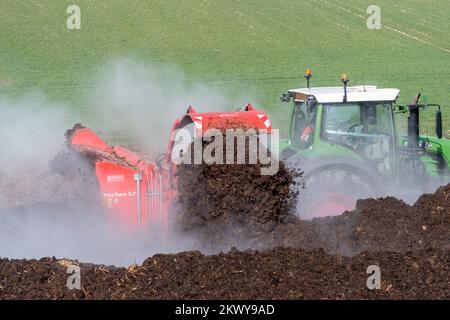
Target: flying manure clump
{"type": "Point", "coordinates": [234, 202]}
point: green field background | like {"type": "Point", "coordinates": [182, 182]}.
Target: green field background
{"type": "Point", "coordinates": [237, 45]}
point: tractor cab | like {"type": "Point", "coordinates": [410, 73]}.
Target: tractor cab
{"type": "Point", "coordinates": [357, 119]}
{"type": "Point", "coordinates": [346, 140]}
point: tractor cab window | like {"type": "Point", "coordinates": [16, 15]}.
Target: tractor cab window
{"type": "Point", "coordinates": [340, 120]}
{"type": "Point", "coordinates": [303, 122]}
{"type": "Point", "coordinates": [366, 128]}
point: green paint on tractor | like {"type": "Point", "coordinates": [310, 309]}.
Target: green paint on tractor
{"type": "Point", "coordinates": [356, 142]}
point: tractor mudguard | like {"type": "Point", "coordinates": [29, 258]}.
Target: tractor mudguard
{"type": "Point", "coordinates": [440, 147]}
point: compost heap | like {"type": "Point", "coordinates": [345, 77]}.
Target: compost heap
{"type": "Point", "coordinates": [231, 204]}
{"type": "Point", "coordinates": [323, 258]}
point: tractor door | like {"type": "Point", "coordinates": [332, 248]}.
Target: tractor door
{"type": "Point", "coordinates": [303, 124]}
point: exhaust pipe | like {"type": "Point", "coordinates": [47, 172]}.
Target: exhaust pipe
{"type": "Point", "coordinates": [439, 133]}
{"type": "Point", "coordinates": [413, 123]}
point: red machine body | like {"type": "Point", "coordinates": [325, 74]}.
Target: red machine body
{"type": "Point", "coordinates": [137, 192]}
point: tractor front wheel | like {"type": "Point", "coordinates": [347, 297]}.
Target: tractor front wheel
{"type": "Point", "coordinates": [331, 192]}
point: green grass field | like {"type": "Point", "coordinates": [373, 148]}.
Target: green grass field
{"type": "Point", "coordinates": [237, 45]}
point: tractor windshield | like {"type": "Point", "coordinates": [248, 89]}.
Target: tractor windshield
{"type": "Point", "coordinates": [366, 128]}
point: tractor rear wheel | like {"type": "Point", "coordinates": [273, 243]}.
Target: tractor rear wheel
{"type": "Point", "coordinates": [331, 192]}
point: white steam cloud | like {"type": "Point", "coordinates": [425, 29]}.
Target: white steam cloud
{"type": "Point", "coordinates": [131, 103]}
{"type": "Point", "coordinates": [29, 130]}
{"type": "Point", "coordinates": [138, 103]}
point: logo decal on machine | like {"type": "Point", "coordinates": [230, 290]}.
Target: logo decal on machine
{"type": "Point", "coordinates": [119, 194]}
{"type": "Point", "coordinates": [118, 178]}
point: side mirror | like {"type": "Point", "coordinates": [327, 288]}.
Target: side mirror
{"type": "Point", "coordinates": [285, 97]}
{"type": "Point", "coordinates": [439, 124]}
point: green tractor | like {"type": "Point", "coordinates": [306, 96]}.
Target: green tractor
{"type": "Point", "coordinates": [350, 145]}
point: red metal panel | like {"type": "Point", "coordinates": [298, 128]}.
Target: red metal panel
{"type": "Point", "coordinates": [118, 190]}
{"type": "Point", "coordinates": [250, 118]}
{"type": "Point", "coordinates": [116, 170]}
{"type": "Point", "coordinates": [87, 137]}
{"type": "Point", "coordinates": [131, 157]}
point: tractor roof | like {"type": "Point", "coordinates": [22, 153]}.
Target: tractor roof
{"type": "Point", "coordinates": [354, 94]}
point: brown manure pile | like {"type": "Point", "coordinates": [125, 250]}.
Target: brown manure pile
{"type": "Point", "coordinates": [227, 204]}
{"type": "Point", "coordinates": [234, 205]}
{"type": "Point", "coordinates": [376, 225]}
{"type": "Point", "coordinates": [281, 273]}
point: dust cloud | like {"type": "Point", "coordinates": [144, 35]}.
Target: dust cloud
{"type": "Point", "coordinates": [45, 213]}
